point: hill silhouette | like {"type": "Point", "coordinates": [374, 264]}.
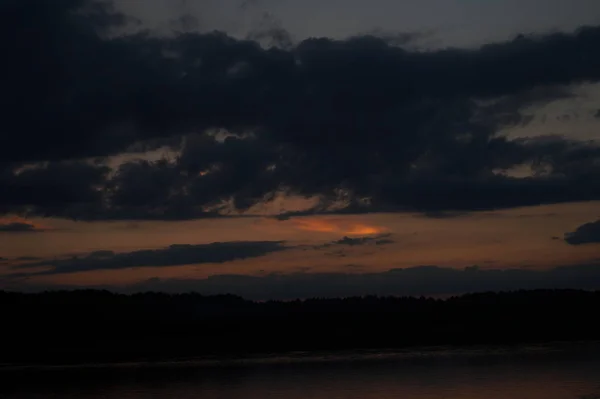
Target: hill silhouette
{"type": "Point", "coordinates": [99, 326]}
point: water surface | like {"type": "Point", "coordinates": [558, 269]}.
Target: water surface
{"type": "Point", "coordinates": [486, 373]}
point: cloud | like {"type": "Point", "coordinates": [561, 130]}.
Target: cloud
{"type": "Point", "coordinates": [322, 225]}
{"type": "Point", "coordinates": [19, 225]}
{"type": "Point", "coordinates": [27, 258]}
{"type": "Point", "coordinates": [174, 255]}
{"type": "Point", "coordinates": [414, 129]}
{"type": "Point", "coordinates": [377, 240]}
{"type": "Point", "coordinates": [18, 228]}
{"type": "Point", "coordinates": [65, 189]}
{"type": "Point", "coordinates": [271, 33]}
{"type": "Point", "coordinates": [435, 214]}
{"type": "Point", "coordinates": [423, 280]}
{"type": "Point", "coordinates": [585, 234]}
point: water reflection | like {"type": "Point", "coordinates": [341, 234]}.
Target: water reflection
{"type": "Point", "coordinates": [548, 375]}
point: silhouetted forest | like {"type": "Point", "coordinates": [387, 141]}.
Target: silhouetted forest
{"type": "Point", "coordinates": [99, 326]}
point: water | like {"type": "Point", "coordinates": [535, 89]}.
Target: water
{"type": "Point", "coordinates": [533, 372]}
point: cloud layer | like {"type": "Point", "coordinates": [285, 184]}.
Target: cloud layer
{"type": "Point", "coordinates": [174, 255]}
{"type": "Point", "coordinates": [588, 233]}
{"type": "Point", "coordinates": [18, 225]}
{"type": "Point", "coordinates": [424, 280]}
{"type": "Point", "coordinates": [17, 228]}
{"type": "Point", "coordinates": [362, 120]}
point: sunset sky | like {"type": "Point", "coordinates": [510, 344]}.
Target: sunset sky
{"type": "Point", "coordinates": [260, 147]}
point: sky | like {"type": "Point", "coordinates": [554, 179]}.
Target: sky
{"type": "Point", "coordinates": [275, 149]}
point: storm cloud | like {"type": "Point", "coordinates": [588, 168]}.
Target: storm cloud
{"type": "Point", "coordinates": [355, 119]}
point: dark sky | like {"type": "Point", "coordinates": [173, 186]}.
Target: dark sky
{"type": "Point", "coordinates": [451, 22]}
{"type": "Point", "coordinates": [167, 141]}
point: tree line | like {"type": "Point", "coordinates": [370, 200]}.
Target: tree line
{"type": "Point", "coordinates": [101, 326]}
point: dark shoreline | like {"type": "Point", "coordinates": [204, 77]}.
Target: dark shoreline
{"type": "Point", "coordinates": [100, 328]}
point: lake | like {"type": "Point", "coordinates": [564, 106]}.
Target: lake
{"type": "Point", "coordinates": [545, 372]}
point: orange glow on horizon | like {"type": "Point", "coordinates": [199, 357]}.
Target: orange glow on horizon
{"type": "Point", "coordinates": [337, 226]}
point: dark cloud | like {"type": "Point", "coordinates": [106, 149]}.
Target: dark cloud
{"type": "Point", "coordinates": [585, 234]}
{"type": "Point", "coordinates": [435, 214]}
{"type": "Point", "coordinates": [18, 227]}
{"type": "Point", "coordinates": [28, 258]}
{"type": "Point", "coordinates": [484, 194]}
{"type": "Point", "coordinates": [54, 189]}
{"type": "Point", "coordinates": [174, 255]}
{"type": "Point", "coordinates": [403, 39]}
{"type": "Point", "coordinates": [366, 117]}
{"type": "Point", "coordinates": [424, 280]}
{"type": "Point", "coordinates": [413, 281]}
{"type": "Point", "coordinates": [380, 239]}
{"type": "Point", "coordinates": [322, 208]}
{"type": "Point", "coordinates": [353, 241]}
{"type": "Point", "coordinates": [270, 33]}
